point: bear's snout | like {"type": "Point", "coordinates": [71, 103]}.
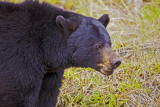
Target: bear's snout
{"type": "Point", "coordinates": [110, 61]}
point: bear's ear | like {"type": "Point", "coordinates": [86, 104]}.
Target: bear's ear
{"type": "Point", "coordinates": [104, 20]}
{"type": "Point", "coordinates": [66, 25]}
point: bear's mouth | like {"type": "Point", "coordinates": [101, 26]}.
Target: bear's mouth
{"type": "Point", "coordinates": [104, 70]}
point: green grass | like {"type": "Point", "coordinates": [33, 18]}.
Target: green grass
{"type": "Point", "coordinates": [135, 34]}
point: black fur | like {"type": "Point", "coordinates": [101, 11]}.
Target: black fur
{"type": "Point", "coordinates": [24, 28]}
{"type": "Point", "coordinates": [37, 42]}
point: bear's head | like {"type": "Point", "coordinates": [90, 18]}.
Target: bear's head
{"type": "Point", "coordinates": [89, 43]}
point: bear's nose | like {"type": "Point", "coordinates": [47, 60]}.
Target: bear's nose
{"type": "Point", "coordinates": [116, 63]}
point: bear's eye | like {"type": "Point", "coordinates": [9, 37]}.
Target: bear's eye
{"type": "Point", "coordinates": [99, 46]}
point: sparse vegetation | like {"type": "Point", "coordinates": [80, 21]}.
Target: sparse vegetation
{"type": "Point", "coordinates": [135, 34]}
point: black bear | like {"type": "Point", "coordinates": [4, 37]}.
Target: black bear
{"type": "Point", "coordinates": [38, 41]}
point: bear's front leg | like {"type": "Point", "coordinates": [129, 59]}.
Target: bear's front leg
{"type": "Point", "coordinates": [50, 89]}
{"type": "Point", "coordinates": [29, 90]}
{"type": "Point", "coordinates": [19, 90]}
